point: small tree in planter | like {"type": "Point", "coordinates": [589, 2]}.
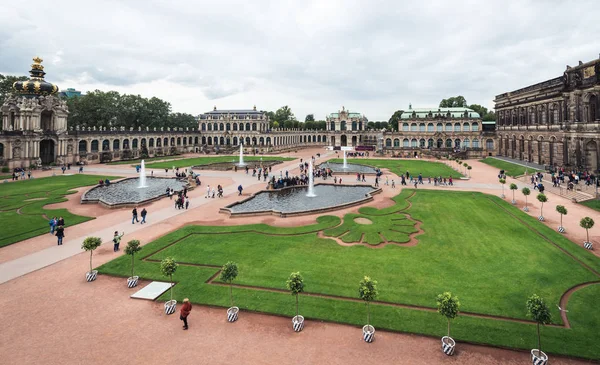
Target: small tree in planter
{"type": "Point", "coordinates": [228, 274]}
{"type": "Point", "coordinates": [539, 312]}
{"type": "Point", "coordinates": [587, 223]}
{"type": "Point", "coordinates": [465, 166]}
{"type": "Point", "coordinates": [295, 284]}
{"type": "Point", "coordinates": [132, 248]}
{"type": "Point", "coordinates": [513, 187]}
{"type": "Point", "coordinates": [502, 181]}
{"type": "Point", "coordinates": [526, 192]}
{"type": "Point", "coordinates": [448, 307]}
{"type": "Point", "coordinates": [168, 266]}
{"type": "Point", "coordinates": [367, 291]}
{"type": "Point", "coordinates": [90, 244]}
{"type": "Point", "coordinates": [542, 198]}
{"type": "Point", "coordinates": [562, 211]}
{"type": "Point", "coordinates": [469, 168]}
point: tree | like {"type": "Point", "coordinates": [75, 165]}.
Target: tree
{"type": "Point", "coordinates": [454, 102]}
{"type": "Point", "coordinates": [309, 118]}
{"type": "Point", "coordinates": [502, 181]}
{"type": "Point", "coordinates": [367, 291]}
{"type": "Point", "coordinates": [542, 199]}
{"type": "Point", "coordinates": [587, 223]}
{"type": "Point", "coordinates": [526, 192]}
{"type": "Point", "coordinates": [448, 307]}
{"type": "Point", "coordinates": [168, 266]}
{"type": "Point", "coordinates": [295, 284]}
{"type": "Point", "coordinates": [6, 83]}
{"type": "Point", "coordinates": [465, 165]}
{"type": "Point", "coordinates": [228, 273]}
{"type": "Point", "coordinates": [513, 187]}
{"type": "Point", "coordinates": [395, 118]}
{"type": "Point", "coordinates": [132, 248]}
{"type": "Point", "coordinates": [481, 110]}
{"type": "Point", "coordinates": [275, 125]}
{"type": "Point", "coordinates": [283, 115]}
{"type": "Point", "coordinates": [562, 211]}
{"type": "Point", "coordinates": [469, 168]}
{"type": "Point", "coordinates": [539, 312]}
{"type": "Point", "coordinates": [90, 244]}
{"type": "Point", "coordinates": [490, 116]}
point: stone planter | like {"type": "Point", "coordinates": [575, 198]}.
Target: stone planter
{"type": "Point", "coordinates": [91, 275]}
{"type": "Point", "coordinates": [588, 245]}
{"type": "Point", "coordinates": [561, 229]}
{"type": "Point", "coordinates": [540, 218]}
{"type": "Point", "coordinates": [502, 196]}
{"type": "Point", "coordinates": [538, 357]}
{"type": "Point", "coordinates": [368, 333]}
{"type": "Point", "coordinates": [132, 281]}
{"type": "Point", "coordinates": [170, 307]}
{"type": "Point", "coordinates": [298, 323]}
{"type": "Point", "coordinates": [448, 345]}
{"type": "Point", "coordinates": [232, 314]}
{"type": "Point", "coordinates": [513, 202]}
{"type": "Point", "coordinates": [526, 209]}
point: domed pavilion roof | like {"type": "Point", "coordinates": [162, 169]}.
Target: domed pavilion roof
{"type": "Point", "coordinates": [36, 85]}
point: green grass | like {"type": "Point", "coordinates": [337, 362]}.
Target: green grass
{"type": "Point", "coordinates": [138, 161]}
{"type": "Point", "coordinates": [17, 196]}
{"type": "Point", "coordinates": [400, 167]}
{"type": "Point", "coordinates": [187, 162]}
{"type": "Point", "coordinates": [594, 204]}
{"type": "Point", "coordinates": [489, 253]}
{"type": "Point", "coordinates": [509, 168]}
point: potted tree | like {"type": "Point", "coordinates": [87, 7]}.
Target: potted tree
{"type": "Point", "coordinates": [168, 266]}
{"type": "Point", "coordinates": [465, 165]}
{"type": "Point", "coordinates": [228, 273]}
{"type": "Point", "coordinates": [295, 284]}
{"type": "Point", "coordinates": [513, 187]}
{"type": "Point", "coordinates": [587, 223]}
{"type": "Point", "coordinates": [90, 244]}
{"type": "Point", "coordinates": [541, 197]}
{"type": "Point", "coordinates": [562, 211]}
{"type": "Point", "coordinates": [132, 248]}
{"type": "Point", "coordinates": [469, 168]}
{"type": "Point", "coordinates": [448, 307]}
{"type": "Point", "coordinates": [502, 181]}
{"type": "Point", "coordinates": [539, 312]}
{"type": "Point", "coordinates": [367, 291]}
{"type": "Point", "coordinates": [526, 192]}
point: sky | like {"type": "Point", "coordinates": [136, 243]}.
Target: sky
{"type": "Point", "coordinates": [372, 57]}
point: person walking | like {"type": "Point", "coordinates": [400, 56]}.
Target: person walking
{"type": "Point", "coordinates": [60, 234]}
{"type": "Point", "coordinates": [134, 215]}
{"type": "Point", "coordinates": [144, 213]}
{"type": "Point", "coordinates": [186, 308]}
{"type": "Point", "coordinates": [393, 184]}
{"type": "Point", "coordinates": [80, 169]}
{"type": "Point", "coordinates": [207, 191]}
{"type": "Point", "coordinates": [117, 240]}
{"type": "Point", "coordinates": [60, 221]}
{"type": "Point", "coordinates": [240, 189]}
{"type": "Point", "coordinates": [187, 203]}
{"type": "Point", "coordinates": [52, 225]}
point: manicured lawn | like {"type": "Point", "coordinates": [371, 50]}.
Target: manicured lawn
{"type": "Point", "coordinates": [414, 167]}
{"type": "Point", "coordinates": [489, 253]}
{"type": "Point", "coordinates": [138, 161]}
{"type": "Point", "coordinates": [22, 205]}
{"type": "Point", "coordinates": [187, 162]}
{"type": "Point", "coordinates": [594, 204]}
{"type": "Point", "coordinates": [509, 168]}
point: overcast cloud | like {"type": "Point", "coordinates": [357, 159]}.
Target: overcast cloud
{"type": "Point", "coordinates": [372, 57]}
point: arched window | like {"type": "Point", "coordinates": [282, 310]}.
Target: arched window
{"type": "Point", "coordinates": [457, 143]}
{"type": "Point", "coordinates": [179, 141]}
{"type": "Point", "coordinates": [413, 142]}
{"type": "Point", "coordinates": [388, 142]}
{"type": "Point", "coordinates": [466, 127]}
{"type": "Point", "coordinates": [439, 127]}
{"type": "Point", "coordinates": [151, 142]}
{"type": "Point", "coordinates": [448, 127]}
{"type": "Point", "coordinates": [448, 143]}
{"type": "Point", "coordinates": [332, 126]}
{"type": "Point", "coordinates": [203, 126]}
{"type": "Point", "coordinates": [203, 140]}
{"type": "Point", "coordinates": [253, 126]}
{"type": "Point", "coordinates": [475, 127]}
{"type": "Point", "coordinates": [125, 144]}
{"type": "Point", "coordinates": [413, 127]}
{"type": "Point", "coordinates": [556, 116]}
{"type": "Point", "coordinates": [343, 125]}
{"type": "Point", "coordinates": [422, 127]}
{"type": "Point", "coordinates": [248, 126]}
{"type": "Point", "coordinates": [158, 142]}
{"type": "Point", "coordinates": [227, 127]}
{"type": "Point", "coordinates": [396, 142]}
{"type": "Point", "coordinates": [95, 145]}
{"type": "Point", "coordinates": [430, 127]}
{"type": "Point", "coordinates": [489, 144]}
{"type": "Point", "coordinates": [440, 143]}
{"type": "Point", "coordinates": [82, 146]}
{"type": "Point", "coordinates": [467, 143]}
{"type": "Point", "coordinates": [235, 126]}
{"type": "Point", "coordinates": [210, 126]}
{"type": "Point", "coordinates": [422, 143]}
{"type": "Point", "coordinates": [354, 125]}
{"type": "Point", "coordinates": [405, 142]}
{"type": "Point", "coordinates": [457, 127]}
{"type": "Point", "coordinates": [134, 144]}
{"type": "Point", "coordinates": [430, 143]}
{"type": "Point", "coordinates": [475, 143]}
{"type": "Point", "coordinates": [404, 127]}
{"type": "Point", "coordinates": [166, 142]}
{"type": "Point", "coordinates": [116, 144]}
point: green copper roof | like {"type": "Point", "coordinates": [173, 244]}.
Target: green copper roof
{"type": "Point", "coordinates": [424, 112]}
{"type": "Point", "coordinates": [350, 115]}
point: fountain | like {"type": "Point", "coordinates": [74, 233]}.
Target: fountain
{"type": "Point", "coordinates": [345, 161]}
{"type": "Point", "coordinates": [241, 163]}
{"type": "Point", "coordinates": [311, 181]}
{"type": "Point", "coordinates": [142, 176]}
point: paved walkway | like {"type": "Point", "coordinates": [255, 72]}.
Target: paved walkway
{"type": "Point", "coordinates": [532, 165]}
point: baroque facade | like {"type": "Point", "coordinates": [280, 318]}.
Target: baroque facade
{"type": "Point", "coordinates": [555, 122]}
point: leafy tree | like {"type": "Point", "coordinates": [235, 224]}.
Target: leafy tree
{"type": "Point", "coordinates": [132, 248]}
{"type": "Point", "coordinates": [539, 312]}
{"type": "Point", "coordinates": [367, 291]}
{"type": "Point", "coordinates": [275, 125]}
{"type": "Point", "coordinates": [309, 118]}
{"type": "Point", "coordinates": [453, 102]}
{"type": "Point", "coordinates": [395, 118]}
{"type": "Point", "coordinates": [168, 266]}
{"type": "Point", "coordinates": [228, 273]}
{"type": "Point", "coordinates": [448, 307]}
{"type": "Point", "coordinates": [465, 165]}
{"type": "Point", "coordinates": [587, 223]}
{"type": "Point", "coordinates": [6, 83]}
{"type": "Point", "coordinates": [481, 110]}
{"type": "Point", "coordinates": [182, 120]}
{"type": "Point", "coordinates": [489, 116]}
{"type": "Point", "coordinates": [542, 199]}
{"type": "Point", "coordinates": [321, 125]}
{"type": "Point", "coordinates": [271, 118]}
{"type": "Point", "coordinates": [513, 187]}
{"type": "Point", "coordinates": [526, 192]}
{"type": "Point", "coordinates": [469, 168]}
{"type": "Point", "coordinates": [90, 244]}
{"type": "Point", "coordinates": [562, 211]}
{"type": "Point", "coordinates": [502, 181]}
{"type": "Point", "coordinates": [283, 115]}
{"type": "Point", "coordinates": [370, 125]}
{"type": "Point", "coordinates": [295, 284]}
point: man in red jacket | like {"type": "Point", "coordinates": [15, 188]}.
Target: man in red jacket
{"type": "Point", "coordinates": [186, 308]}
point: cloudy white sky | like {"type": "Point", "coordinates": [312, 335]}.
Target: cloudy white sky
{"type": "Point", "coordinates": [373, 57]}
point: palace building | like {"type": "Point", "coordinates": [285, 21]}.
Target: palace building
{"type": "Point", "coordinates": [555, 122]}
